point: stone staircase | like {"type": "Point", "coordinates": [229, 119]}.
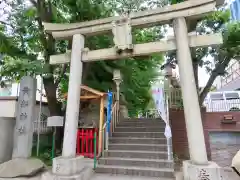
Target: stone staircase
{"type": "Point", "coordinates": [138, 148]}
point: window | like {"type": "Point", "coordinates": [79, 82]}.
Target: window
{"type": "Point", "coordinates": [5, 92]}
{"type": "Point", "coordinates": [232, 96]}
{"type": "Point", "coordinates": [216, 97]}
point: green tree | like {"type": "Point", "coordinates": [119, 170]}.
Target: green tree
{"type": "Point", "coordinates": [223, 54]}
{"type": "Point", "coordinates": [217, 21]}
{"type": "Point", "coordinates": [26, 48]}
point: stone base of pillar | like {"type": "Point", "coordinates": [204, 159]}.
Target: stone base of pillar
{"type": "Point", "coordinates": [76, 168]}
{"type": "Point", "coordinates": [192, 172]}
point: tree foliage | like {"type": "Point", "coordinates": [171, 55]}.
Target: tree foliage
{"type": "Point", "coordinates": [216, 22]}
{"type": "Point", "coordinates": [223, 54]}
{"type": "Point", "coordinates": [26, 48]}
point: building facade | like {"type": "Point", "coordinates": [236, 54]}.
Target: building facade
{"type": "Point", "coordinates": [231, 81]}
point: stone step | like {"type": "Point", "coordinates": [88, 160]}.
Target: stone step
{"type": "Point", "coordinates": [139, 147]}
{"type": "Point", "coordinates": [136, 154]}
{"type": "Point", "coordinates": [137, 140]}
{"type": "Point", "coordinates": [139, 134]}
{"type": "Point", "coordinates": [136, 171]}
{"type": "Point", "coordinates": [142, 123]}
{"type": "Point", "coordinates": [139, 129]}
{"type": "Point", "coordinates": [138, 162]}
{"type": "Point", "coordinates": [142, 119]}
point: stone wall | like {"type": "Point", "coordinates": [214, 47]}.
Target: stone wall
{"type": "Point", "coordinates": [179, 134]}
{"type": "Point", "coordinates": [90, 115]}
{"type": "Point", "coordinates": [224, 146]}
{"type": "Point", "coordinates": [6, 138]}
{"type": "Point", "coordinates": [222, 140]}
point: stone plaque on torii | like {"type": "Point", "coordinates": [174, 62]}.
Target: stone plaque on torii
{"type": "Point", "coordinates": [179, 15]}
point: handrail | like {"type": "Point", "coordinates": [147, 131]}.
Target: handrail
{"type": "Point", "coordinates": [114, 115]}
{"type": "Point", "coordinates": [168, 133]}
{"type": "Point", "coordinates": [114, 120]}
{"type": "Point", "coordinates": [104, 131]}
{"type": "Point", "coordinates": [163, 112]}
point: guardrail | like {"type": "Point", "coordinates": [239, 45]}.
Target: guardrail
{"type": "Point", "coordinates": [233, 74]}
{"type": "Point", "coordinates": [110, 124]}
{"type": "Point", "coordinates": [42, 127]}
{"type": "Point", "coordinates": [164, 115]}
{"type": "Point", "coordinates": [150, 113]}
{"type": "Point", "coordinates": [222, 105]}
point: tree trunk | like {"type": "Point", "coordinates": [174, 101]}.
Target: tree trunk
{"type": "Point", "coordinates": [195, 71]}
{"type": "Point", "coordinates": [218, 70]}
{"type": "Point", "coordinates": [50, 88]}
{"type": "Point", "coordinates": [54, 107]}
{"type": "Point", "coordinates": [207, 87]}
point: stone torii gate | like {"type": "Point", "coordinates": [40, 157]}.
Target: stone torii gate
{"type": "Point", "coordinates": [180, 15]}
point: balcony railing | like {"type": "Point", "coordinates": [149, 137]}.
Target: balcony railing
{"type": "Point", "coordinates": [233, 73]}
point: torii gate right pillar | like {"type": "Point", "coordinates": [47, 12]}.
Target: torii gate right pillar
{"type": "Point", "coordinates": [198, 167]}
{"type": "Point", "coordinates": [192, 113]}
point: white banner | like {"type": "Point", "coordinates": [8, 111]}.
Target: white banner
{"type": "Point", "coordinates": [158, 97]}
{"type": "Point", "coordinates": [161, 106]}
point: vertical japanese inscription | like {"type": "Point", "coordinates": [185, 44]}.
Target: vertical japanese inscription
{"type": "Point", "coordinates": [25, 90]}
{"type": "Point", "coordinates": [23, 105]}
{"type": "Point", "coordinates": [23, 116]}
{"type": "Point", "coordinates": [21, 129]}
{"type": "Point", "coordinates": [203, 175]}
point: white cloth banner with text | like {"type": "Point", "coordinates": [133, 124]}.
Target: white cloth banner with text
{"type": "Point", "coordinates": [161, 106]}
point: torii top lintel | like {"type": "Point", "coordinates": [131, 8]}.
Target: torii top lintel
{"type": "Point", "coordinates": [192, 9]}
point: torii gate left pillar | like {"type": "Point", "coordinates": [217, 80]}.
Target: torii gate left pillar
{"type": "Point", "coordinates": [70, 166]}
{"type": "Point", "coordinates": [74, 90]}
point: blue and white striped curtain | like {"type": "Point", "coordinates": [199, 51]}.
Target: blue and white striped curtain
{"type": "Point", "coordinates": [235, 10]}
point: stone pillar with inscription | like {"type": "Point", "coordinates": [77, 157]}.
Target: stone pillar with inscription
{"type": "Point", "coordinates": [25, 113]}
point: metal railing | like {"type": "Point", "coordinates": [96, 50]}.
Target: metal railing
{"type": "Point", "coordinates": [43, 128]}
{"type": "Point", "coordinates": [150, 113]}
{"type": "Point", "coordinates": [156, 114]}
{"type": "Point", "coordinates": [222, 105]}
{"type": "Point", "coordinates": [174, 97]}
{"type": "Point", "coordinates": [168, 132]}
{"type": "Point", "coordinates": [233, 73]}
{"type": "Point", "coordinates": [163, 114]}
{"type": "Point", "coordinates": [175, 101]}
{"type": "Point", "coordinates": [109, 127]}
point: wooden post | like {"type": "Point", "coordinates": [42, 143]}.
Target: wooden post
{"type": "Point", "coordinates": [101, 124]}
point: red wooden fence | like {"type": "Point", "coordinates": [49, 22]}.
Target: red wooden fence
{"type": "Point", "coordinates": [85, 142]}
